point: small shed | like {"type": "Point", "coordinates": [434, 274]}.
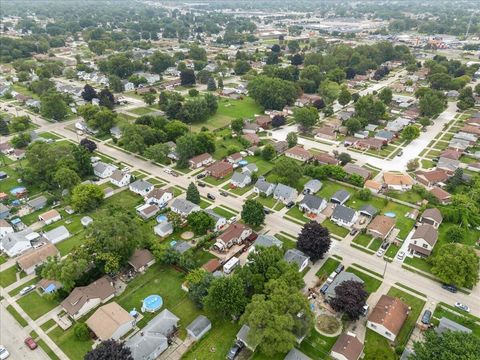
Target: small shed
{"type": "Point", "coordinates": [86, 220]}
{"type": "Point", "coordinates": [199, 327]}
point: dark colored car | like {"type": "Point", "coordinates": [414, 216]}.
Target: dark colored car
{"type": "Point", "coordinates": [353, 232]}
{"type": "Point", "coordinates": [201, 176]}
{"type": "Point", "coordinates": [201, 184]}
{"type": "Point", "coordinates": [339, 268]}
{"type": "Point", "coordinates": [385, 245]}
{"type": "Point", "coordinates": [223, 193]}
{"type": "Point", "coordinates": [266, 210]}
{"type": "Point", "coordinates": [210, 196]}
{"type": "Point", "coordinates": [324, 288]}
{"type": "Point", "coordinates": [427, 315]}
{"type": "Point", "coordinates": [290, 205]}
{"type": "Point", "coordinates": [235, 350]}
{"type": "Point", "coordinates": [32, 345]}
{"type": "Point", "coordinates": [451, 288]}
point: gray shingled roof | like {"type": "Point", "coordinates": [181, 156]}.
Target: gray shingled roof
{"type": "Point", "coordinates": [141, 185]}
{"type": "Point", "coordinates": [294, 256]}
{"type": "Point", "coordinates": [313, 185]}
{"type": "Point", "coordinates": [295, 354]}
{"type": "Point", "coordinates": [239, 177]}
{"type": "Point", "coordinates": [340, 278]}
{"type": "Point", "coordinates": [262, 185]}
{"type": "Point", "coordinates": [368, 210]}
{"type": "Point", "coordinates": [311, 201]}
{"type": "Point", "coordinates": [343, 213]}
{"type": "Point", "coordinates": [267, 241]}
{"type": "Point", "coordinates": [183, 205]}
{"type": "Point", "coordinates": [449, 325]}
{"type": "Point", "coordinates": [284, 191]}
{"type": "Point", "coordinates": [199, 325]}
{"type": "Point", "coordinates": [341, 196]}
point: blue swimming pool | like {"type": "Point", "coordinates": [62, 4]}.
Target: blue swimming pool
{"type": "Point", "coordinates": [390, 214]}
{"type": "Point", "coordinates": [161, 218]}
{"type": "Point", "coordinates": [18, 189]}
{"type": "Point", "coordinates": [152, 303]}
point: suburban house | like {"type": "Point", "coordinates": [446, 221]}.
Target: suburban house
{"type": "Point", "coordinates": [4, 211]}
{"type": "Point", "coordinates": [141, 260]}
{"type": "Point", "coordinates": [265, 240]}
{"type": "Point", "coordinates": [381, 226]}
{"type": "Point", "coordinates": [443, 196]}
{"type": "Point", "coordinates": [220, 221]}
{"type": "Point", "coordinates": [368, 210]}
{"type": "Point", "coordinates": [103, 170]}
{"type": "Point", "coordinates": [200, 160]}
{"type": "Point", "coordinates": [5, 228]}
{"type": "Point", "coordinates": [253, 139]}
{"type": "Point", "coordinates": [250, 127]}
{"type": "Point", "coordinates": [154, 338]}
{"type": "Point", "coordinates": [325, 133]}
{"type": "Point", "coordinates": [110, 321]}
{"type": "Point", "coordinates": [295, 354]}
{"type": "Point", "coordinates": [280, 146]}
{"type": "Point", "coordinates": [234, 234]}
{"type": "Point", "coordinates": [85, 298]}
{"type": "Point", "coordinates": [399, 182]}
{"type": "Point", "coordinates": [312, 204]}
{"type": "Point", "coordinates": [325, 159]}
{"type": "Point", "coordinates": [295, 256]}
{"type": "Point", "coordinates": [431, 178]}
{"type": "Point", "coordinates": [347, 347]}
{"type": "Point", "coordinates": [448, 165]}
{"type": "Point", "coordinates": [340, 197]}
{"type": "Point", "coordinates": [423, 240]}
{"type": "Point", "coordinates": [240, 179]}
{"type": "Point", "coordinates": [37, 203]}
{"type": "Point", "coordinates": [373, 186]}
{"type": "Point", "coordinates": [285, 194]}
{"type": "Point", "coordinates": [264, 121]}
{"type": "Point", "coordinates": [159, 197]}
{"type": "Point", "coordinates": [141, 187]}
{"type": "Point", "coordinates": [446, 324]}
{"type": "Point", "coordinates": [120, 178]}
{"type": "Point", "coordinates": [243, 337]}
{"type": "Point", "coordinates": [234, 158]}
{"type": "Point", "coordinates": [384, 135]}
{"type": "Point", "coordinates": [388, 317]}
{"type": "Point", "coordinates": [432, 216]}
{"type": "Point", "coordinates": [48, 286]}
{"type": "Point", "coordinates": [198, 327]}
{"type": "Point", "coordinates": [250, 168]}
{"type": "Point", "coordinates": [339, 279]}
{"type": "Point", "coordinates": [16, 243]}
{"type": "Point", "coordinates": [183, 207]}
{"type": "Point", "coordinates": [163, 229]}
{"type": "Point", "coordinates": [32, 258]}
{"type": "Point", "coordinates": [219, 169]}
{"type": "Point", "coordinates": [312, 186]}
{"type": "Point", "coordinates": [368, 144]}
{"type": "Point", "coordinates": [344, 216]}
{"type": "Point", "coordinates": [49, 217]}
{"type": "Point", "coordinates": [351, 169]}
{"type": "Point", "coordinates": [56, 235]}
{"type": "Point", "coordinates": [264, 187]}
{"type": "Point", "coordinates": [298, 153]}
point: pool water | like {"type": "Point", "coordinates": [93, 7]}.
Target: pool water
{"type": "Point", "coordinates": [152, 303]}
{"type": "Point", "coordinates": [161, 218]}
{"type": "Point", "coordinates": [390, 214]}
{"type": "Point", "coordinates": [18, 189]}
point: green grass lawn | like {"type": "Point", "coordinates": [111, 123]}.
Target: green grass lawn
{"type": "Point", "coordinates": [72, 347]}
{"type": "Point", "coordinates": [223, 212]}
{"type": "Point", "coordinates": [377, 347]}
{"type": "Point", "coordinates": [229, 109]}
{"type": "Point", "coordinates": [48, 324]}
{"type": "Point", "coordinates": [404, 224]}
{"type": "Point", "coordinates": [220, 338]}
{"type": "Point", "coordinates": [375, 245]}
{"type": "Point", "coordinates": [17, 289]}
{"type": "Point", "coordinates": [17, 316]}
{"type": "Point", "coordinates": [8, 277]}
{"type": "Point", "coordinates": [3, 259]}
{"type": "Point", "coordinates": [47, 350]}
{"type": "Point", "coordinates": [317, 346]}
{"type": "Point", "coordinates": [297, 214]}
{"type": "Point", "coordinates": [408, 196]}
{"type": "Point", "coordinates": [142, 110]}
{"type": "Point", "coordinates": [327, 268]}
{"type": "Point", "coordinates": [216, 182]}
{"type": "Point", "coordinates": [371, 284]}
{"type": "Point", "coordinates": [363, 239]}
{"type": "Point", "coordinates": [35, 305]}
{"type": "Point", "coordinates": [392, 251]}
{"type": "Point", "coordinates": [288, 243]}
{"type": "Point", "coordinates": [266, 201]}
{"type": "Point", "coordinates": [416, 304]}
{"type": "Point", "coordinates": [67, 245]}
{"type": "Point", "coordinates": [264, 166]}
{"type": "Point", "coordinates": [418, 263]}
{"type": "Point", "coordinates": [49, 135]}
{"type": "Point", "coordinates": [334, 228]}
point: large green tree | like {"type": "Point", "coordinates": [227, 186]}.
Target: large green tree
{"type": "Point", "coordinates": [53, 106]}
{"type": "Point", "coordinates": [200, 222]}
{"type": "Point", "coordinates": [86, 197]}
{"type": "Point", "coordinates": [252, 213]}
{"type": "Point", "coordinates": [288, 171]}
{"type": "Point", "coordinates": [226, 297]}
{"type": "Point", "coordinates": [410, 133]}
{"type": "Point", "coordinates": [306, 117]}
{"type": "Point", "coordinates": [272, 93]}
{"type": "Point", "coordinates": [192, 194]}
{"type": "Point", "coordinates": [456, 264]}
{"type": "Point", "coordinates": [449, 345]}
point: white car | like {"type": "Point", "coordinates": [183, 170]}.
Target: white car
{"type": "Point", "coordinates": [461, 306]}
{"type": "Point", "coordinates": [232, 220]}
{"type": "Point", "coordinates": [3, 353]}
{"type": "Point", "coordinates": [168, 170]}
{"type": "Point", "coordinates": [27, 289]}
{"type": "Point", "coordinates": [401, 255]}
{"type": "Point", "coordinates": [380, 252]}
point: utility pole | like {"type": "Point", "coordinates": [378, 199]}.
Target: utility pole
{"type": "Point", "coordinates": [468, 27]}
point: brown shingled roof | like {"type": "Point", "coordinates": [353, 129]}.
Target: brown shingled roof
{"type": "Point", "coordinates": [426, 232]}
{"type": "Point", "coordinates": [390, 312]}
{"type": "Point", "coordinates": [140, 258]}
{"type": "Point", "coordinates": [349, 346]}
{"type": "Point", "coordinates": [381, 224]}
{"type": "Point", "coordinates": [37, 256]}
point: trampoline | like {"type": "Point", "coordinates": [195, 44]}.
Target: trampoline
{"type": "Point", "coordinates": [161, 218]}
{"type": "Point", "coordinates": [152, 303]}
{"type": "Point", "coordinates": [390, 214]}
{"type": "Point", "coordinates": [17, 190]}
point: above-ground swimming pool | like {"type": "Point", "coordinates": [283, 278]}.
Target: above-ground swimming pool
{"type": "Point", "coordinates": [390, 214]}
{"type": "Point", "coordinates": [152, 303]}
{"type": "Point", "coordinates": [243, 162]}
{"type": "Point", "coordinates": [17, 190]}
{"type": "Point", "coordinates": [161, 218]}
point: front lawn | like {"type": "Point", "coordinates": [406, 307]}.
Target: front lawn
{"type": "Point", "coordinates": [363, 239]}
{"type": "Point", "coordinates": [8, 277]}
{"type": "Point", "coordinates": [223, 212]}
{"type": "Point", "coordinates": [288, 243]}
{"type": "Point", "coordinates": [266, 201]}
{"type": "Point", "coordinates": [327, 268]}
{"type": "Point", "coordinates": [334, 228]}
{"type": "Point", "coordinates": [377, 347]}
{"type": "Point", "coordinates": [370, 283]}
{"type": "Point", "coordinates": [35, 305]}
{"type": "Point", "coordinates": [17, 316]}
{"type": "Point", "coordinates": [416, 306]}
{"type": "Point", "coordinates": [67, 341]}
{"type": "Point", "coordinates": [375, 245]}
{"type": "Point", "coordinates": [297, 214]}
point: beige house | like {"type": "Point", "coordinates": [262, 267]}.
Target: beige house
{"type": "Point", "coordinates": [388, 317]}
{"type": "Point", "coordinates": [33, 258]}
{"type": "Point", "coordinates": [110, 321]}
{"type": "Point", "coordinates": [49, 217]}
{"type": "Point", "coordinates": [423, 240]}
{"type": "Point", "coordinates": [298, 153]}
{"type": "Point", "coordinates": [381, 226]}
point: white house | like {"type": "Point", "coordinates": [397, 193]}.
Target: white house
{"type": "Point", "coordinates": [295, 256]}
{"type": "Point", "coordinates": [159, 197]}
{"type": "Point", "coordinates": [141, 187]}
{"type": "Point", "coordinates": [264, 187]}
{"type": "Point", "coordinates": [344, 216]}
{"type": "Point", "coordinates": [50, 217]}
{"type": "Point", "coordinates": [56, 235]}
{"type": "Point", "coordinates": [103, 170]}
{"type": "Point", "coordinates": [163, 229]}
{"type": "Point", "coordinates": [388, 317]}
{"type": "Point", "coordinates": [199, 327]}
{"type": "Point", "coordinates": [5, 228]}
{"type": "Point", "coordinates": [234, 234]}
{"type": "Point", "coordinates": [220, 221]}
{"type": "Point", "coordinates": [120, 178]}
{"type": "Point", "coordinates": [285, 194]}
{"type": "Point", "coordinates": [312, 204]}
{"type": "Point", "coordinates": [240, 179]}
{"type": "Point", "coordinates": [184, 207]}
{"type": "Point", "coordinates": [16, 243]}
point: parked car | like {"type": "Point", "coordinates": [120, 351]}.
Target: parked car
{"type": "Point", "coordinates": [400, 153]}
{"type": "Point", "coordinates": [353, 232]}
{"type": "Point", "coordinates": [32, 345]}
{"type": "Point", "coordinates": [224, 193]}
{"type": "Point", "coordinates": [461, 306]}
{"type": "Point", "coordinates": [174, 174]}
{"type": "Point", "coordinates": [380, 252]}
{"type": "Point", "coordinates": [168, 170]}
{"type": "Point", "coordinates": [201, 184]}
{"type": "Point", "coordinates": [3, 353]}
{"type": "Point", "coordinates": [210, 196]}
{"type": "Point", "coordinates": [235, 350]}
{"type": "Point", "coordinates": [401, 255]}
{"type": "Point", "coordinates": [385, 245]}
{"type": "Point", "coordinates": [324, 288]}
{"type": "Point", "coordinates": [365, 309]}
{"type": "Point", "coordinates": [266, 210]}
{"type": "Point", "coordinates": [290, 205]}
{"type": "Point", "coordinates": [427, 315]}
{"type": "Point", "coordinates": [232, 220]}
{"type": "Point", "coordinates": [451, 288]}
{"type": "Point", "coordinates": [339, 268]}
{"type": "Point", "coordinates": [201, 176]}
{"type": "Point", "coordinates": [332, 277]}
{"type": "Point", "coordinates": [27, 289]}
